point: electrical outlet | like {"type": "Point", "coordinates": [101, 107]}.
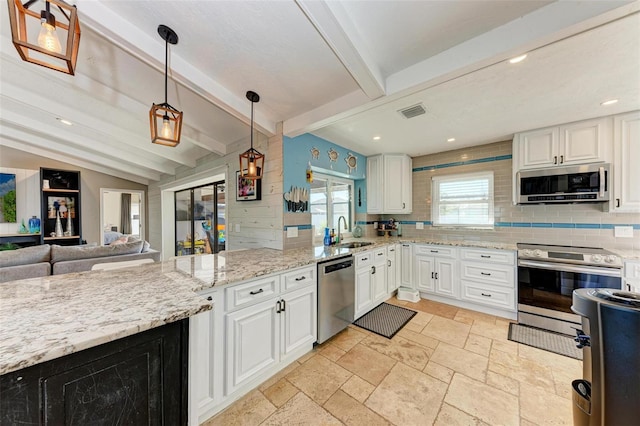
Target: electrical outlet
{"type": "Point", "coordinates": [419, 225]}
{"type": "Point", "coordinates": [375, 225]}
{"type": "Point", "coordinates": [237, 227]}
{"type": "Point", "coordinates": [292, 231]}
{"type": "Point", "coordinates": [623, 231]}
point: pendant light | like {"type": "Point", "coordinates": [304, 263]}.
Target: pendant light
{"type": "Point", "coordinates": [165, 120]}
{"type": "Point", "coordinates": [37, 36]}
{"type": "Point", "coordinates": [252, 161]}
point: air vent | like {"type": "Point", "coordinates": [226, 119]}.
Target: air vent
{"type": "Point", "coordinates": [413, 111]}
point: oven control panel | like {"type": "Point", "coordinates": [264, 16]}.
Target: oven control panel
{"type": "Point", "coordinates": [596, 257]}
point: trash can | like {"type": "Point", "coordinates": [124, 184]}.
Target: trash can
{"type": "Point", "coordinates": [581, 402]}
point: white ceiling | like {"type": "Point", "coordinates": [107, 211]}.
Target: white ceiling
{"type": "Point", "coordinates": [339, 69]}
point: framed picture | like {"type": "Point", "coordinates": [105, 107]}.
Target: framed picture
{"type": "Point", "coordinates": [248, 189]}
{"type": "Point", "coordinates": [8, 198]}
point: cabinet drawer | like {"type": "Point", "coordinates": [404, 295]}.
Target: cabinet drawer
{"type": "Point", "coordinates": [380, 256]}
{"type": "Point", "coordinates": [299, 278]}
{"type": "Point", "coordinates": [485, 255]}
{"type": "Point", "coordinates": [486, 294]}
{"type": "Point", "coordinates": [439, 251]}
{"type": "Point", "coordinates": [364, 259]}
{"type": "Point", "coordinates": [495, 274]}
{"type": "Point", "coordinates": [251, 292]}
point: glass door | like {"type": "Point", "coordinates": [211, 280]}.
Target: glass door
{"type": "Point", "coordinates": [200, 219]}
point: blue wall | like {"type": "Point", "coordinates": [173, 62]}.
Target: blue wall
{"type": "Point", "coordinates": [297, 155]}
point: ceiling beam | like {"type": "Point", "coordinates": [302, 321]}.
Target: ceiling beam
{"type": "Point", "coordinates": [336, 28]}
{"type": "Point", "coordinates": [44, 147]}
{"type": "Point", "coordinates": [544, 26]}
{"type": "Point", "coordinates": [150, 49]}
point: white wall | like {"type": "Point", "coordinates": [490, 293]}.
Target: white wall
{"type": "Point", "coordinates": [27, 198]}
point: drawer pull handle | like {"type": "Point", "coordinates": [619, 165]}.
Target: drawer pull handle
{"type": "Point", "coordinates": [284, 305]}
{"type": "Point", "coordinates": [405, 245]}
{"type": "Point", "coordinates": [364, 258]}
{"type": "Point", "coordinates": [433, 251]}
{"type": "Point", "coordinates": [485, 295]}
{"type": "Point", "coordinates": [380, 254]}
{"type": "Point", "coordinates": [209, 298]}
{"type": "Point", "coordinates": [278, 307]}
{"type": "Point", "coordinates": [485, 273]}
{"type": "Point", "coordinates": [432, 277]}
{"type": "Point", "coordinates": [256, 292]}
{"type": "Point", "coordinates": [373, 270]}
{"type": "Point", "coordinates": [555, 159]}
{"type": "Point", "coordinates": [562, 159]}
{"type": "Point", "coordinates": [436, 275]}
{"type": "Point", "coordinates": [301, 278]}
{"type": "Point", "coordinates": [388, 263]}
{"type": "Point", "coordinates": [485, 256]}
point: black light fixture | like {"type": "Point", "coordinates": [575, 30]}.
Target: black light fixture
{"type": "Point", "coordinates": [252, 161]}
{"type": "Point", "coordinates": [36, 36]}
{"type": "Point", "coordinates": [165, 120]}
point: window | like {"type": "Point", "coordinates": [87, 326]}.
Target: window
{"type": "Point", "coordinates": [330, 198]}
{"type": "Point", "coordinates": [462, 200]}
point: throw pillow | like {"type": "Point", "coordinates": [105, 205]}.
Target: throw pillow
{"type": "Point", "coordinates": [121, 240]}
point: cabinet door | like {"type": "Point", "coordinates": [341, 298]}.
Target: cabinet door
{"type": "Point", "coordinates": [392, 268]}
{"type": "Point", "coordinates": [393, 183]}
{"type": "Point", "coordinates": [379, 281]}
{"type": "Point", "coordinates": [204, 354]}
{"type": "Point", "coordinates": [626, 187]}
{"type": "Point", "coordinates": [364, 297]}
{"type": "Point", "coordinates": [298, 319]}
{"type": "Point", "coordinates": [538, 148]}
{"type": "Point", "coordinates": [584, 142]}
{"type": "Point", "coordinates": [425, 273]}
{"type": "Point", "coordinates": [252, 342]}
{"type": "Point", "coordinates": [374, 184]}
{"type": "Point", "coordinates": [445, 282]}
{"type": "Point", "coordinates": [406, 266]}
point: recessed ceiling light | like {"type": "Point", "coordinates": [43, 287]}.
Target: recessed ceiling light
{"type": "Point", "coordinates": [609, 102]}
{"type": "Point", "coordinates": [63, 121]}
{"type": "Point", "coordinates": [376, 138]}
{"type": "Point", "coordinates": [517, 59]}
{"type": "Point", "coordinates": [451, 140]}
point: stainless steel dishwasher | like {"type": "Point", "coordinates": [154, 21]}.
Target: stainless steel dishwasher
{"type": "Point", "coordinates": [336, 296]}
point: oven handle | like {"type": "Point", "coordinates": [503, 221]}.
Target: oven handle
{"type": "Point", "coordinates": [609, 272]}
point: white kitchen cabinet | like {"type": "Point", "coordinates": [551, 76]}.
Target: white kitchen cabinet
{"type": "Point", "coordinates": [631, 276]}
{"type": "Point", "coordinates": [488, 277]}
{"type": "Point", "coordinates": [582, 142]}
{"type": "Point", "coordinates": [435, 270]}
{"type": "Point", "coordinates": [406, 266]}
{"type": "Point", "coordinates": [252, 342]}
{"type": "Point", "coordinates": [626, 173]}
{"type": "Point", "coordinates": [298, 320]}
{"type": "Point", "coordinates": [371, 280]}
{"type": "Point", "coordinates": [393, 269]}
{"type": "Point", "coordinates": [389, 184]}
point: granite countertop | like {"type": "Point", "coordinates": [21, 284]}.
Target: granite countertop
{"type": "Point", "coordinates": [45, 318]}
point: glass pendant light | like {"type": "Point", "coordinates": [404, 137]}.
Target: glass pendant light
{"type": "Point", "coordinates": [37, 37]}
{"type": "Point", "coordinates": [252, 161]}
{"type": "Point", "coordinates": [165, 120]}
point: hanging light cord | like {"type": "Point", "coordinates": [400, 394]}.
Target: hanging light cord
{"type": "Point", "coordinates": [166, 65]}
{"type": "Point", "coordinates": [252, 102]}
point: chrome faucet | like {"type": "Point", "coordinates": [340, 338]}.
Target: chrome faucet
{"type": "Point", "coordinates": [345, 227]}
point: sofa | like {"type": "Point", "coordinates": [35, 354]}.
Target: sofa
{"type": "Point", "coordinates": [43, 260]}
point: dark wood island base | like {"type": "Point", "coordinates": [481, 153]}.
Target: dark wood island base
{"type": "Point", "coordinates": [136, 380]}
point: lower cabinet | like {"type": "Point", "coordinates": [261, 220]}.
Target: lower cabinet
{"type": "Point", "coordinates": [268, 322]}
{"type": "Point", "coordinates": [393, 270]}
{"type": "Point", "coordinates": [631, 276]}
{"type": "Point", "coordinates": [371, 280]}
{"type": "Point", "coordinates": [435, 269]}
{"type": "Point", "coordinates": [406, 266]}
{"type": "Point", "coordinates": [489, 278]}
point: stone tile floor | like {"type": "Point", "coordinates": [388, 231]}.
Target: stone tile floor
{"type": "Point", "coordinates": [447, 366]}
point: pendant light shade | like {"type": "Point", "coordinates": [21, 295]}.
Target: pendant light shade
{"type": "Point", "coordinates": [49, 38]}
{"type": "Point", "coordinates": [165, 121]}
{"type": "Point", "coordinates": [252, 161]}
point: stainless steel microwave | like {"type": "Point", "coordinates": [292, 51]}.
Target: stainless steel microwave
{"type": "Point", "coordinates": [588, 183]}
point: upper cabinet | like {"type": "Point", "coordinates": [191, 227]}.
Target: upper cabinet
{"type": "Point", "coordinates": [586, 141]}
{"type": "Point", "coordinates": [389, 184]}
{"type": "Point", "coordinates": [60, 191]}
{"type": "Point", "coordinates": [626, 173]}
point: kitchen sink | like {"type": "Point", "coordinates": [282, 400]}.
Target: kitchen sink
{"type": "Point", "coordinates": [354, 244]}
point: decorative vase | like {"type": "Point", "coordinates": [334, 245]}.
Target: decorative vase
{"type": "Point", "coordinates": [23, 228]}
{"type": "Point", "coordinates": [69, 232]}
{"type": "Point", "coordinates": [34, 225]}
{"type": "Point", "coordinates": [59, 232]}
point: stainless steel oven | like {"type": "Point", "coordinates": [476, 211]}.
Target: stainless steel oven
{"type": "Point", "coordinates": [547, 276]}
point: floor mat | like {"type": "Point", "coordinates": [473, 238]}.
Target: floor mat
{"type": "Point", "coordinates": [385, 320]}
{"type": "Point", "coordinates": [561, 344]}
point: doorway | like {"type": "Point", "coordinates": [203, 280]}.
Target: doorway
{"type": "Point", "coordinates": [122, 213]}
{"type": "Point", "coordinates": [200, 219]}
